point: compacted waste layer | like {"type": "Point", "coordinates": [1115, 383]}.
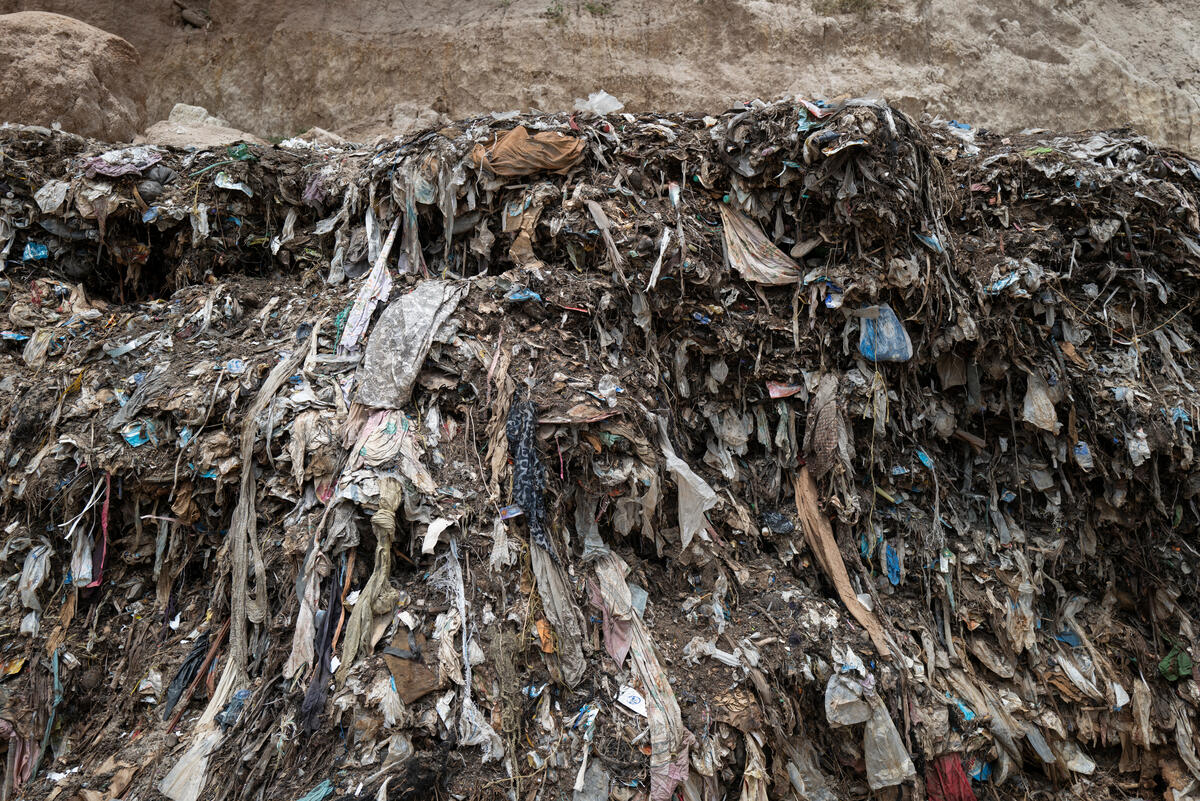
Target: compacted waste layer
{"type": "Point", "coordinates": [804, 451]}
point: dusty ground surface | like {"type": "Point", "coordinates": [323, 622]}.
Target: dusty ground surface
{"type": "Point", "coordinates": [277, 67]}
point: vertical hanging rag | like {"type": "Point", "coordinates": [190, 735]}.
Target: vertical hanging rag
{"type": "Point", "coordinates": [529, 475]}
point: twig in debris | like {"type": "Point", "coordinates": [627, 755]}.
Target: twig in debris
{"type": "Point", "coordinates": [770, 619]}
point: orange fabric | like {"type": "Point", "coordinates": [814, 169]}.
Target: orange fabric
{"type": "Point", "coordinates": [515, 153]}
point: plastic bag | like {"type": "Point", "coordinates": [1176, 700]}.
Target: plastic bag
{"type": "Point", "coordinates": [600, 102]}
{"type": "Point", "coordinates": [1039, 407]}
{"type": "Point", "coordinates": [844, 704]}
{"type": "Point", "coordinates": [33, 574]}
{"type": "Point", "coordinates": [883, 338]}
{"type": "Point", "coordinates": [888, 763]}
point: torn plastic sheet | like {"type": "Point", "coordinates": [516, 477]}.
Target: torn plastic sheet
{"type": "Point", "coordinates": [390, 437]}
{"type": "Point", "coordinates": [945, 779]}
{"type": "Point", "coordinates": [319, 793]}
{"type": "Point", "coordinates": [699, 646]}
{"type": "Point", "coordinates": [185, 781]}
{"type": "Point", "coordinates": [778, 390]}
{"type": "Point", "coordinates": [695, 495]}
{"type": "Point", "coordinates": [287, 234]}
{"type": "Point", "coordinates": [819, 533]}
{"type": "Point", "coordinates": [376, 287]}
{"type": "Point", "coordinates": [1002, 283]}
{"type": "Point", "coordinates": [7, 236]}
{"type": "Point", "coordinates": [51, 197]}
{"type": "Point", "coordinates": [199, 220]}
{"type": "Point", "coordinates": [123, 161]}
{"type": "Point", "coordinates": [564, 614]}
{"type": "Point", "coordinates": [473, 728]}
{"type": "Point", "coordinates": [663, 244]}
{"type": "Point", "coordinates": [1035, 737]}
{"type": "Point", "coordinates": [377, 594]}
{"type": "Point", "coordinates": [224, 181]}
{"type": "Point", "coordinates": [669, 740]}
{"type": "Point", "coordinates": [433, 533]}
{"type": "Point", "coordinates": [1138, 447]}
{"type": "Point", "coordinates": [516, 153]}
{"type": "Point", "coordinates": [1077, 677]}
{"type": "Point", "coordinates": [844, 704]}
{"type": "Point", "coordinates": [1039, 407]}
{"type": "Point", "coordinates": [755, 257]}
{"type": "Point", "coordinates": [893, 565]}
{"type": "Point", "coordinates": [755, 775]}
{"type": "Point", "coordinates": [887, 761]}
{"type": "Point", "coordinates": [401, 339]}
{"type": "Point", "coordinates": [139, 433]}
{"type": "Point", "coordinates": [1075, 759]}
{"type": "Point", "coordinates": [35, 251]}
{"type": "Point", "coordinates": [804, 773]}
{"type": "Point", "coordinates": [599, 102]}
{"type": "Point", "coordinates": [33, 574]}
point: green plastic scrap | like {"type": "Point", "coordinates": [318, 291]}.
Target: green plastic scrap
{"type": "Point", "coordinates": [319, 792]}
{"type": "Point", "coordinates": [340, 323]}
{"type": "Point", "coordinates": [241, 153]}
{"type": "Point", "coordinates": [1039, 151]}
{"type": "Point", "coordinates": [1176, 665]}
{"type": "Point", "coordinates": [235, 153]}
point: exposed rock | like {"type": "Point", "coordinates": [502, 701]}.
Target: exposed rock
{"type": "Point", "coordinates": [321, 136]}
{"type": "Point", "coordinates": [183, 114]}
{"type": "Point", "coordinates": [193, 126]}
{"type": "Point", "coordinates": [58, 69]}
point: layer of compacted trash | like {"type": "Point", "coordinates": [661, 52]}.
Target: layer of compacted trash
{"type": "Point", "coordinates": [805, 451]}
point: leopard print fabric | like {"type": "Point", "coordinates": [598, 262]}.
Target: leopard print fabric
{"type": "Point", "coordinates": [529, 476]}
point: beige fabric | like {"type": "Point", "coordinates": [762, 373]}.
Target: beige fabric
{"type": "Point", "coordinates": [377, 597]}
{"type": "Point", "coordinates": [820, 540]}
{"type": "Point", "coordinates": [515, 153]}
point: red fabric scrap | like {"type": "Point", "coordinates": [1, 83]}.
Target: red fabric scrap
{"type": "Point", "coordinates": [945, 780]}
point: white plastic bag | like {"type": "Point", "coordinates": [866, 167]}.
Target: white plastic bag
{"type": "Point", "coordinates": [33, 574]}
{"type": "Point", "coordinates": [888, 763]}
{"type": "Point", "coordinates": [600, 102]}
{"type": "Point", "coordinates": [844, 704]}
{"type": "Point", "coordinates": [1039, 406]}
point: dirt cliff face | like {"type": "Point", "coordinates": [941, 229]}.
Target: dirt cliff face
{"type": "Point", "coordinates": [277, 67]}
{"type": "Point", "coordinates": [58, 69]}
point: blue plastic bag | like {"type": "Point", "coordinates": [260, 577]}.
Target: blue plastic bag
{"type": "Point", "coordinates": [893, 565]}
{"type": "Point", "coordinates": [35, 251]}
{"type": "Point", "coordinates": [884, 339]}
